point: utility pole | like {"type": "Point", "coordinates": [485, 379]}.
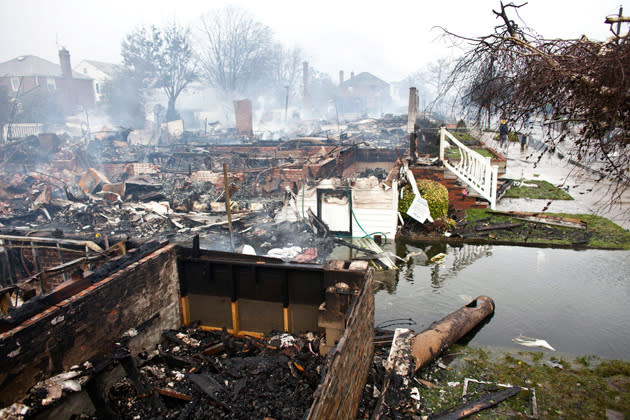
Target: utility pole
{"type": "Point", "coordinates": [228, 205]}
{"type": "Point", "coordinates": [412, 114]}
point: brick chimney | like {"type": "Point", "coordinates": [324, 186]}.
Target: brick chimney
{"type": "Point", "coordinates": [340, 77]}
{"type": "Point", "coordinates": [64, 61]}
{"type": "Point", "coordinates": [352, 75]}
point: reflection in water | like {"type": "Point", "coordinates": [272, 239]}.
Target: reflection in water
{"type": "Point", "coordinates": [576, 300]}
{"type": "Point", "coordinates": [457, 259]}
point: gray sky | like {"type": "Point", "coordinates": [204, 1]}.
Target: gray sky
{"type": "Point", "coordinates": [390, 38]}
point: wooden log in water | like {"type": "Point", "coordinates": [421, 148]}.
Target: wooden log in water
{"type": "Point", "coordinates": [428, 344]}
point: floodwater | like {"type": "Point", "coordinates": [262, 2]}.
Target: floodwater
{"type": "Point", "coordinates": [579, 301]}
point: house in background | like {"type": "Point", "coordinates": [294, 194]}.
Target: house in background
{"type": "Point", "coordinates": [28, 74]}
{"type": "Point", "coordinates": [364, 94]}
{"type": "Point", "coordinates": [100, 72]}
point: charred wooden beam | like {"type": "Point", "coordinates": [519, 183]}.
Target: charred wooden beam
{"type": "Point", "coordinates": [498, 226]}
{"type": "Point", "coordinates": [178, 362]}
{"type": "Point", "coordinates": [398, 373]}
{"type": "Point", "coordinates": [487, 401]}
{"type": "Point", "coordinates": [209, 386]}
{"type": "Point", "coordinates": [173, 394]}
{"type": "Point", "coordinates": [428, 344]}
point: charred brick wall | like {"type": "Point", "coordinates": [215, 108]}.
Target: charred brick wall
{"type": "Point", "coordinates": [87, 325]}
{"type": "Point", "coordinates": [349, 363]}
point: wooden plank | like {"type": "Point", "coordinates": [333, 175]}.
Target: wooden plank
{"type": "Point", "coordinates": [94, 247]}
{"type": "Point", "coordinates": [544, 218]}
{"type": "Point", "coordinates": [487, 401]}
{"type": "Point", "coordinates": [173, 394]}
{"type": "Point", "coordinates": [497, 226]}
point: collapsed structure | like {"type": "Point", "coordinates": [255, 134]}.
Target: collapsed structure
{"type": "Point", "coordinates": [82, 282]}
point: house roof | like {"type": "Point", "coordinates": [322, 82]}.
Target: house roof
{"type": "Point", "coordinates": [109, 68]}
{"type": "Point", "coordinates": [31, 65]}
{"type": "Point", "coordinates": [365, 79]}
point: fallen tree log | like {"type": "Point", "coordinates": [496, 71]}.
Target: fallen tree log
{"type": "Point", "coordinates": [428, 344]}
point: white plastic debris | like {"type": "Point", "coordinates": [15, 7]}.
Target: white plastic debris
{"type": "Point", "coordinates": [71, 385]}
{"type": "Point", "coordinates": [553, 364]}
{"type": "Point", "coordinates": [248, 250]}
{"type": "Point", "coordinates": [285, 253]}
{"type": "Point", "coordinates": [532, 342]}
{"type": "Point", "coordinates": [130, 333]}
{"type": "Point", "coordinates": [286, 340]}
{"type": "Point", "coordinates": [193, 342]}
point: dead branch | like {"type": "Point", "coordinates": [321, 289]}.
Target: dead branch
{"type": "Point", "coordinates": [579, 86]}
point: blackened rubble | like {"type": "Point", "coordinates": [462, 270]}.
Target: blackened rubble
{"type": "Point", "coordinates": [197, 374]}
{"type": "Point", "coordinates": [109, 187]}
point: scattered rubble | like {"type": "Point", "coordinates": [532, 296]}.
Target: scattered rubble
{"type": "Point", "coordinates": [199, 375]}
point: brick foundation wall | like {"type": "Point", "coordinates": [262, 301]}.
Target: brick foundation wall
{"type": "Point", "coordinates": [337, 397]}
{"type": "Point", "coordinates": [88, 324]}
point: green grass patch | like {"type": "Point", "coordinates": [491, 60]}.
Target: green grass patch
{"type": "Point", "coordinates": [599, 233]}
{"type": "Point", "coordinates": [602, 232]}
{"type": "Point", "coordinates": [464, 136]}
{"type": "Point", "coordinates": [453, 153]}
{"type": "Point", "coordinates": [544, 190]}
{"type": "Point", "coordinates": [576, 391]}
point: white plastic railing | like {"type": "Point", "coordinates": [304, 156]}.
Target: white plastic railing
{"type": "Point", "coordinates": [475, 170]}
{"type": "Point", "coordinates": [14, 131]}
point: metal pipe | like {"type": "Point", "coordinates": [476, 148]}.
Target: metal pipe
{"type": "Point", "coordinates": [428, 344]}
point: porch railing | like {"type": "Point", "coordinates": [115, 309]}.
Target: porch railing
{"type": "Point", "coordinates": [474, 169]}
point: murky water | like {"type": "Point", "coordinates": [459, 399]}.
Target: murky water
{"type": "Point", "coordinates": [579, 301]}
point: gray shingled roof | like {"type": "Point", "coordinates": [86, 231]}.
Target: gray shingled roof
{"type": "Point", "coordinates": [31, 65]}
{"type": "Point", "coordinates": [365, 78]}
{"type": "Point", "coordinates": [108, 68]}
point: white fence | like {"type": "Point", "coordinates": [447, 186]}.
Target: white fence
{"type": "Point", "coordinates": [475, 170]}
{"type": "Point", "coordinates": [17, 131]}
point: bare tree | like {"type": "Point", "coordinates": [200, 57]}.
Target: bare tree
{"type": "Point", "coordinates": [579, 87]}
{"type": "Point", "coordinates": [285, 71]}
{"type": "Point", "coordinates": [437, 73]}
{"type": "Point", "coordinates": [162, 59]}
{"type": "Point", "coordinates": [235, 51]}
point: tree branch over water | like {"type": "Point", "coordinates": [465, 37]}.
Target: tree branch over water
{"type": "Point", "coordinates": [579, 88]}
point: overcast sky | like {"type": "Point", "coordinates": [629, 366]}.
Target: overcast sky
{"type": "Point", "coordinates": [388, 38]}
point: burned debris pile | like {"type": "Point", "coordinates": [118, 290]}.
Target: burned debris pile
{"type": "Point", "coordinates": [198, 374]}
{"type": "Point", "coordinates": [226, 377]}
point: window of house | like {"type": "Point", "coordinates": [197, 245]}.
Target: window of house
{"type": "Point", "coordinates": [97, 87]}
{"type": "Point", "coordinates": [50, 83]}
{"type": "Point", "coordinates": [15, 84]}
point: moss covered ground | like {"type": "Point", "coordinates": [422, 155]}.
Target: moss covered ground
{"type": "Point", "coordinates": [599, 233]}
{"type": "Point", "coordinates": [564, 388]}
